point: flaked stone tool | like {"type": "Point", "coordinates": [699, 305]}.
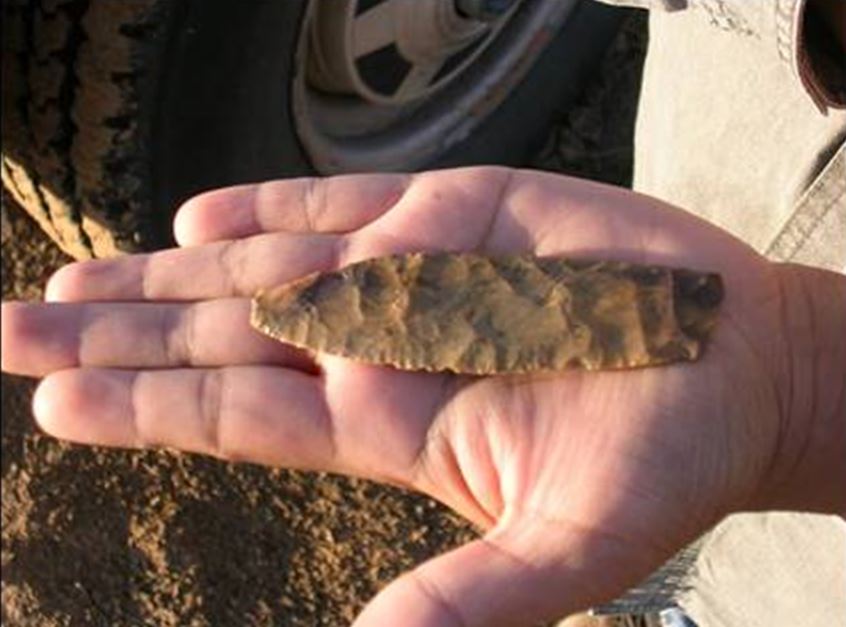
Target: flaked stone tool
{"type": "Point", "coordinates": [473, 314]}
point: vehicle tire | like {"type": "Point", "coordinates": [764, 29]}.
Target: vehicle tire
{"type": "Point", "coordinates": [115, 112]}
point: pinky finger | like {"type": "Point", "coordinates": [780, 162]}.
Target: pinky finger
{"type": "Point", "coordinates": [338, 204]}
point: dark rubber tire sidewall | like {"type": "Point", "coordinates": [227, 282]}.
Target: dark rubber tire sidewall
{"type": "Point", "coordinates": [222, 100]}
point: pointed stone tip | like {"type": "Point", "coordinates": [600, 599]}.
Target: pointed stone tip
{"type": "Point", "coordinates": [257, 311]}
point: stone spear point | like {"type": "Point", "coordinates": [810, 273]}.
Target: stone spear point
{"type": "Point", "coordinates": [472, 314]}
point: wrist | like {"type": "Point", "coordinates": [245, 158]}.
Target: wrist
{"type": "Point", "coordinates": [809, 469]}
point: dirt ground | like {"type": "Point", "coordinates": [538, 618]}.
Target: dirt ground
{"type": "Point", "coordinates": [105, 537]}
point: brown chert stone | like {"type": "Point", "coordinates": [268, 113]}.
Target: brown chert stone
{"type": "Point", "coordinates": [472, 314]}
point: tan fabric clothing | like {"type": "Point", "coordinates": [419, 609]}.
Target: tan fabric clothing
{"type": "Point", "coordinates": [814, 234]}
{"type": "Point", "coordinates": [726, 132]}
{"type": "Point", "coordinates": [735, 127]}
{"type": "Point", "coordinates": [776, 24]}
{"type": "Point", "coordinates": [774, 569]}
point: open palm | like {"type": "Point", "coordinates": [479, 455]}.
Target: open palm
{"type": "Point", "coordinates": [583, 482]}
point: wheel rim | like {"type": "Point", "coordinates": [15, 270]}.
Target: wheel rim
{"type": "Point", "coordinates": [392, 84]}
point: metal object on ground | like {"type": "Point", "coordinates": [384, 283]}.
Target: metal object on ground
{"type": "Point", "coordinates": [655, 598]}
{"type": "Point", "coordinates": [472, 314]}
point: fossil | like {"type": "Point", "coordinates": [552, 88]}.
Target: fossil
{"type": "Point", "coordinates": [473, 314]}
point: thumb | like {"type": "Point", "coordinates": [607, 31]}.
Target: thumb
{"type": "Point", "coordinates": [488, 582]}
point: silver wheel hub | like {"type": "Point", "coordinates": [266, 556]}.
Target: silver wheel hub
{"type": "Point", "coordinates": [392, 84]}
{"type": "Point", "coordinates": [394, 51]}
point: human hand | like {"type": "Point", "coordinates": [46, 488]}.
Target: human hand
{"type": "Point", "coordinates": [583, 482]}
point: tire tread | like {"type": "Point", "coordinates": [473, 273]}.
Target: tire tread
{"type": "Point", "coordinates": [73, 156]}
